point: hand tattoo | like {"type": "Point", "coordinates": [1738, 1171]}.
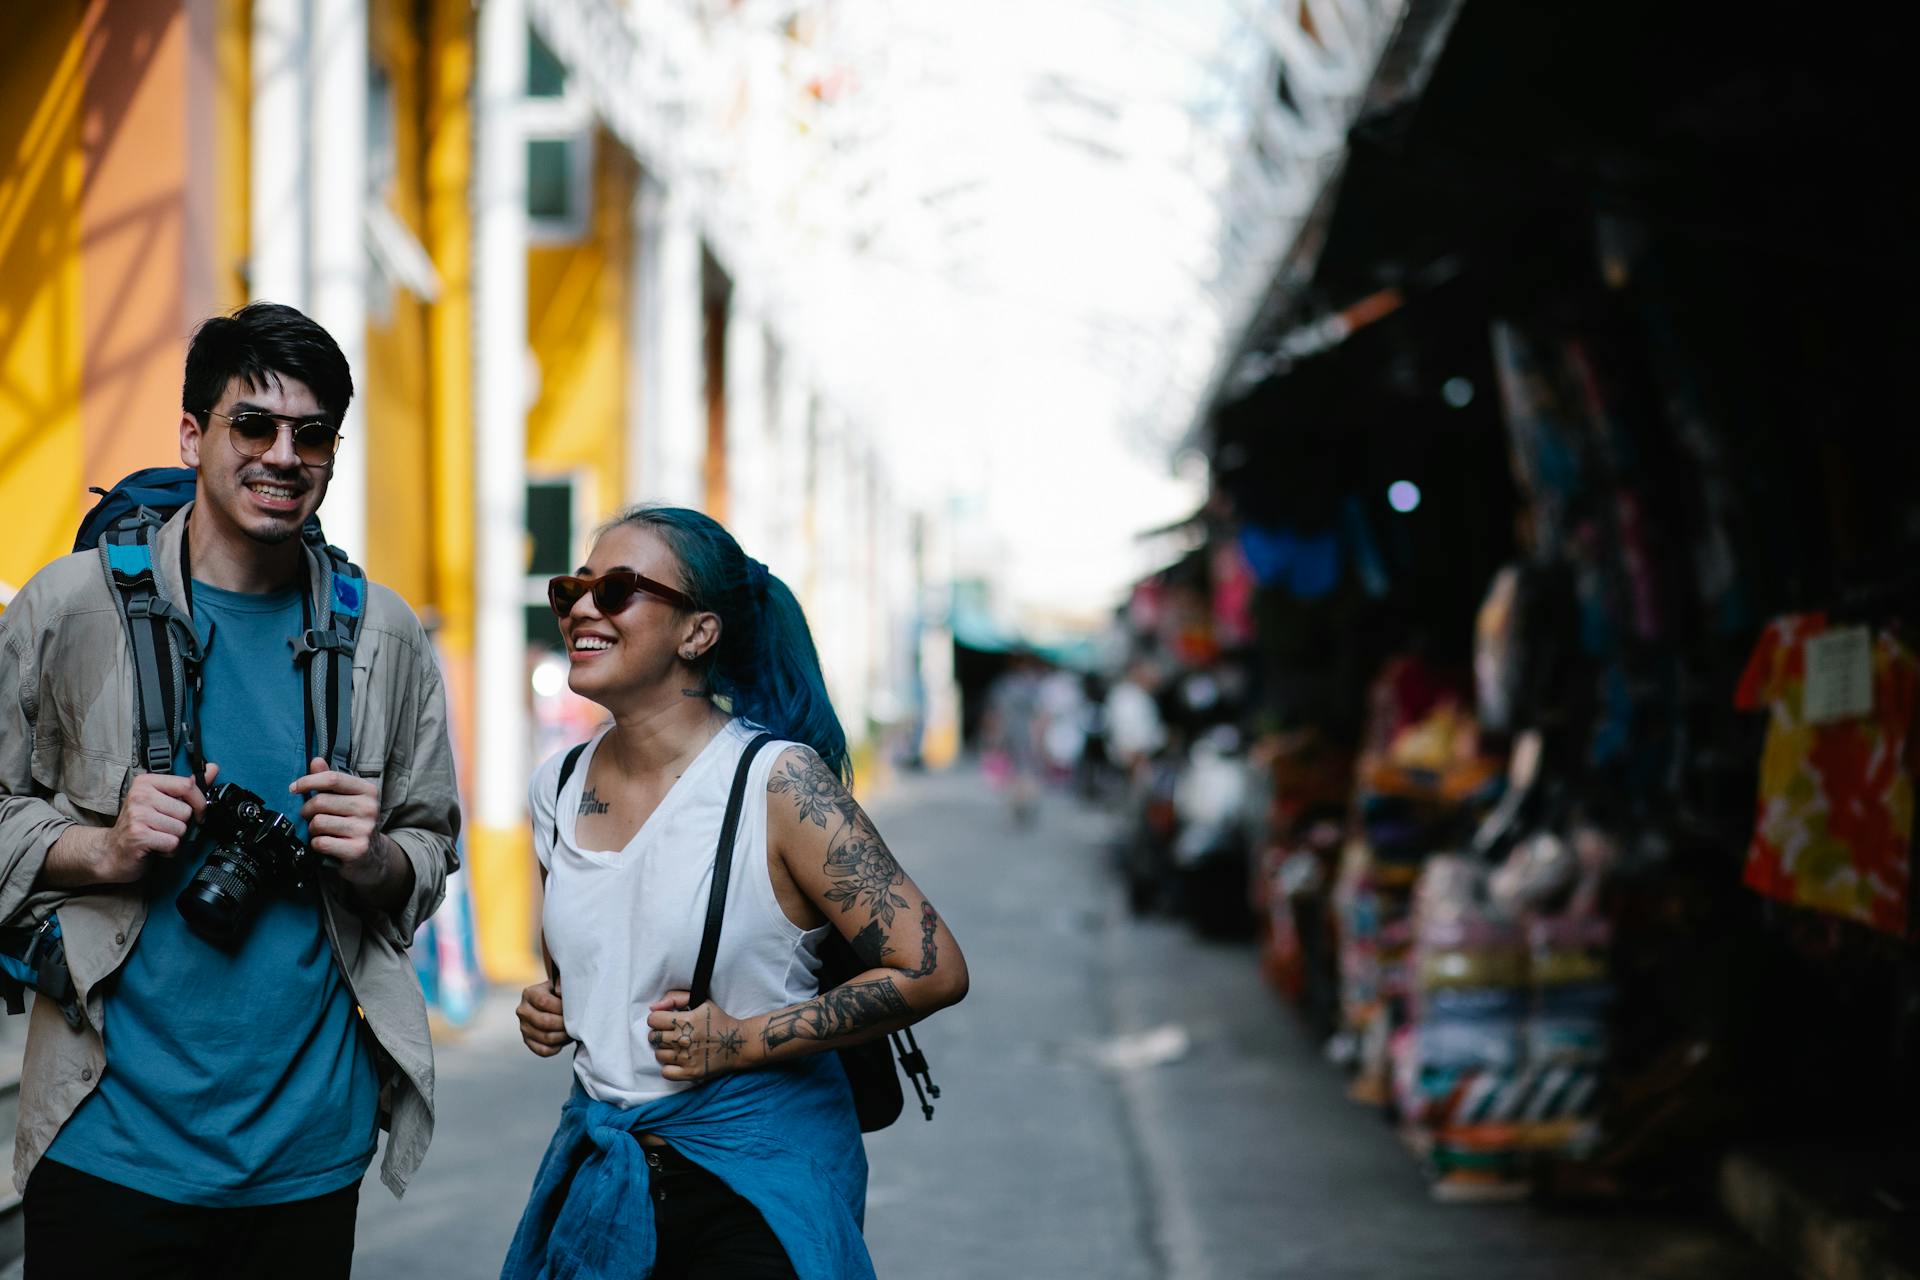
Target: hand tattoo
{"type": "Point", "coordinates": [730, 1042]}
{"type": "Point", "coordinates": [854, 1007]}
{"type": "Point", "coordinates": [591, 803]}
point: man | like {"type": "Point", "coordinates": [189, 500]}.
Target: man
{"type": "Point", "coordinates": [223, 1125]}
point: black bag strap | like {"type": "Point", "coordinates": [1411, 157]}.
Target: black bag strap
{"type": "Point", "coordinates": [566, 771]}
{"type": "Point", "coordinates": [722, 872]}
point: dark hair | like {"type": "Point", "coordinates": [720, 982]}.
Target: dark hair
{"type": "Point", "coordinates": [765, 662]}
{"type": "Point", "coordinates": [259, 344]}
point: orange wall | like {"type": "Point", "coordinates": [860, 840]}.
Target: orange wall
{"type": "Point", "coordinates": [122, 211]}
{"type": "Point", "coordinates": [137, 233]}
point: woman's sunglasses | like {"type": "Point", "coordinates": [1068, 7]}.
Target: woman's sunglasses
{"type": "Point", "coordinates": [611, 592]}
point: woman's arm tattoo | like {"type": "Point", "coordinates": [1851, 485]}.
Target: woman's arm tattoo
{"type": "Point", "coordinates": [854, 1007]}
{"type": "Point", "coordinates": [815, 789]}
{"type": "Point", "coordinates": [864, 872]}
{"type": "Point", "coordinates": [871, 946]}
{"type": "Point", "coordinates": [862, 869]}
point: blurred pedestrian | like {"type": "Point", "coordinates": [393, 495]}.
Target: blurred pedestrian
{"type": "Point", "coordinates": [1063, 731]}
{"type": "Point", "coordinates": [1012, 731]}
{"type": "Point", "coordinates": [224, 1127]}
{"type": "Point", "coordinates": [1135, 729]}
{"type": "Point", "coordinates": [716, 1139]}
{"type": "Point", "coordinates": [1094, 776]}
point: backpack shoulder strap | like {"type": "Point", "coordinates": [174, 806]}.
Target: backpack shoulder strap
{"type": "Point", "coordinates": [328, 649]}
{"type": "Point", "coordinates": [566, 771]}
{"type": "Point", "coordinates": [165, 650]}
{"type": "Point", "coordinates": [722, 871]}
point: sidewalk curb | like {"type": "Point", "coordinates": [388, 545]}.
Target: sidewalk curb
{"type": "Point", "coordinates": [1784, 1212]}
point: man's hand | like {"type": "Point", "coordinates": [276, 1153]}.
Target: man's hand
{"type": "Point", "coordinates": [342, 813]}
{"type": "Point", "coordinates": [695, 1044]}
{"type": "Point", "coordinates": [153, 820]}
{"type": "Point", "coordinates": [540, 1021]}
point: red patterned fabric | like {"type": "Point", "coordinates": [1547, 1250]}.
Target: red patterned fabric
{"type": "Point", "coordinates": [1835, 822]}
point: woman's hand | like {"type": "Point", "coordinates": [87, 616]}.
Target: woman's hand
{"type": "Point", "coordinates": [540, 1022]}
{"type": "Point", "coordinates": [694, 1044]}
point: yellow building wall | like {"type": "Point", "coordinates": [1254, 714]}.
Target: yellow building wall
{"type": "Point", "coordinates": [396, 380]}
{"type": "Point", "coordinates": [446, 157]}
{"type": "Point", "coordinates": [233, 120]}
{"type": "Point", "coordinates": [42, 90]}
{"type": "Point", "coordinates": [577, 309]}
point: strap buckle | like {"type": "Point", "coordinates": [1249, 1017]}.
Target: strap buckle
{"type": "Point", "coordinates": [313, 640]}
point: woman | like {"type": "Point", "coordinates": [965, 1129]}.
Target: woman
{"type": "Point", "coordinates": [717, 1141]}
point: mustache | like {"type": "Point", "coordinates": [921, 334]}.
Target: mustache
{"type": "Point", "coordinates": [293, 481]}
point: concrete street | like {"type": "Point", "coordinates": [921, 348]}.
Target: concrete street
{"type": "Point", "coordinates": [1121, 1102]}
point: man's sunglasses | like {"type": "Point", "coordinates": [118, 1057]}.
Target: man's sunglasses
{"type": "Point", "coordinates": [253, 432]}
{"type": "Point", "coordinates": [611, 592]}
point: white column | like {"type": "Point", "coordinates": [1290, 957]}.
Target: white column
{"type": "Point", "coordinates": [748, 463]}
{"type": "Point", "coordinates": [337, 125]}
{"type": "Point", "coordinates": [934, 600]}
{"type": "Point", "coordinates": [500, 408]}
{"type": "Point", "coordinates": [857, 458]}
{"type": "Point", "coordinates": [277, 195]}
{"type": "Point", "coordinates": [637, 476]}
{"type": "Point", "coordinates": [674, 438]}
{"type": "Point", "coordinates": [790, 551]}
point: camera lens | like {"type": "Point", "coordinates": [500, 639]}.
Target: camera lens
{"type": "Point", "coordinates": [223, 895]}
{"type": "Point", "coordinates": [251, 852]}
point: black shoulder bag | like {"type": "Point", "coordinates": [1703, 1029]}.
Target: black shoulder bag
{"type": "Point", "coordinates": [877, 1099]}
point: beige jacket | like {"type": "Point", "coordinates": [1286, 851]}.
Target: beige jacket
{"type": "Point", "coordinates": [67, 755]}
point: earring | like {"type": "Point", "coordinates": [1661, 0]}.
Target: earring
{"type": "Point", "coordinates": [687, 654]}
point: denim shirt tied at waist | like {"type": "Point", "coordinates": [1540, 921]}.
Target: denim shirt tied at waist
{"type": "Point", "coordinates": [784, 1138]}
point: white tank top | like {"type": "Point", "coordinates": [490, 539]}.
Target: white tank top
{"type": "Point", "coordinates": [625, 926]}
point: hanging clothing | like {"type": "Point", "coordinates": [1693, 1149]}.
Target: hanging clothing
{"type": "Point", "coordinates": [1311, 564]}
{"type": "Point", "coordinates": [1835, 823]}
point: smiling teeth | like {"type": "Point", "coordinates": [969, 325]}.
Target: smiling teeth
{"type": "Point", "coordinates": [273, 490]}
{"type": "Point", "coordinates": [592, 642]}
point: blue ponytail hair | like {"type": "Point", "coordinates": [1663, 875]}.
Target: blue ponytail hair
{"type": "Point", "coordinates": [765, 663]}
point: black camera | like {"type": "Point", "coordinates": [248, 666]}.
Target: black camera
{"type": "Point", "coordinates": [252, 852]}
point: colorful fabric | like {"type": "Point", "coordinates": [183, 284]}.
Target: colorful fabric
{"type": "Point", "coordinates": [1835, 823]}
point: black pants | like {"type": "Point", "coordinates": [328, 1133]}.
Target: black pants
{"type": "Point", "coordinates": [80, 1227]}
{"type": "Point", "coordinates": [705, 1230]}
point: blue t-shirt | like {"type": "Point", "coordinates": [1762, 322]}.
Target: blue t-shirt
{"type": "Point", "coordinates": [242, 1077]}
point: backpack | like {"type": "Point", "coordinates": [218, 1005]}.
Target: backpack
{"type": "Point", "coordinates": [877, 1099]}
{"type": "Point", "coordinates": [166, 652]}
{"type": "Point", "coordinates": [166, 674]}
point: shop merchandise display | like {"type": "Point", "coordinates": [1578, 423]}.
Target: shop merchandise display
{"type": "Point", "coordinates": [1835, 825]}
{"type": "Point", "coordinates": [1309, 779]}
{"type": "Point", "coordinates": [1422, 782]}
{"type": "Point", "coordinates": [1510, 810]}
